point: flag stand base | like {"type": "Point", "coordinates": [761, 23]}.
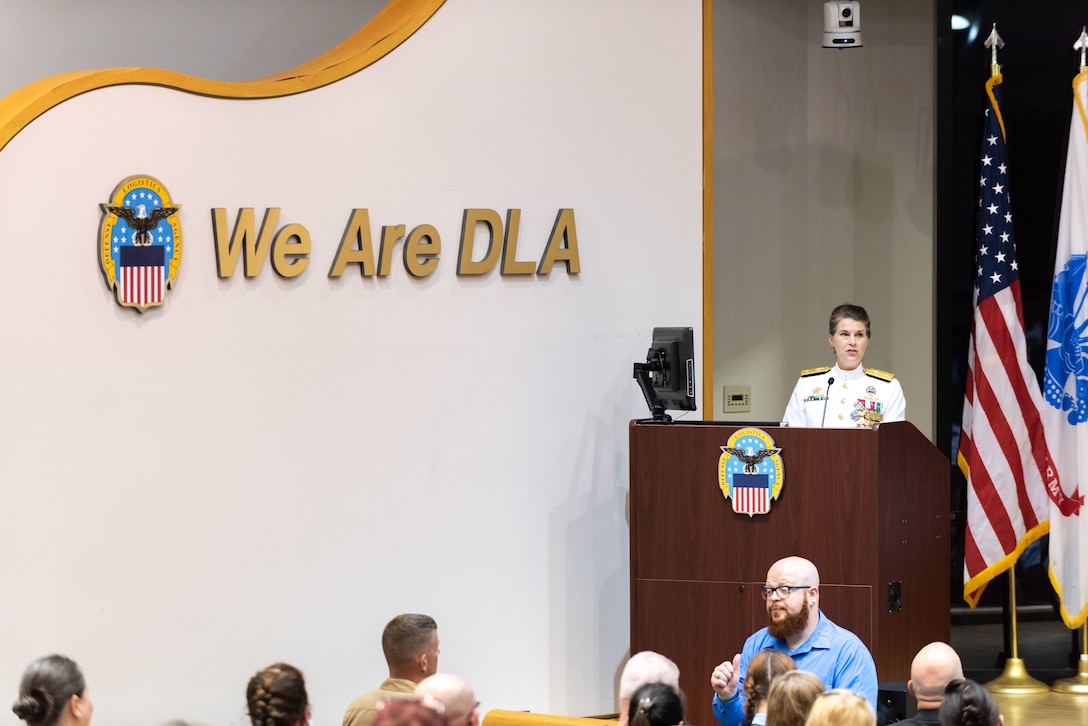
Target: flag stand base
{"type": "Point", "coordinates": [1015, 679]}
{"type": "Point", "coordinates": [1078, 683]}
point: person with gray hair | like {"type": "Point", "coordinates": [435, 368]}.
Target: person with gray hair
{"type": "Point", "coordinates": [458, 698]}
{"type": "Point", "coordinates": [410, 644]}
{"type": "Point", "coordinates": [935, 666]}
{"type": "Point", "coordinates": [642, 668]}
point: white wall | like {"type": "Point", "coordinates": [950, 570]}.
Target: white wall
{"type": "Point", "coordinates": [823, 189]}
{"type": "Point", "coordinates": [270, 469]}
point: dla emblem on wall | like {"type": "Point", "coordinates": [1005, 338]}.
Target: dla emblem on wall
{"type": "Point", "coordinates": [750, 471]}
{"type": "Point", "coordinates": [140, 242]}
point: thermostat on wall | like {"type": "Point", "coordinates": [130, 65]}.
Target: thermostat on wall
{"type": "Point", "coordinates": [736, 399]}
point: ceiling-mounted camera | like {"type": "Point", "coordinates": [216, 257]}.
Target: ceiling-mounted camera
{"type": "Point", "coordinates": [842, 24]}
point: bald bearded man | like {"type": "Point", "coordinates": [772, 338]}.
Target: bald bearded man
{"type": "Point", "coordinates": [798, 628]}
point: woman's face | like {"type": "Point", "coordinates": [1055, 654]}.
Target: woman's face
{"type": "Point", "coordinates": [849, 340]}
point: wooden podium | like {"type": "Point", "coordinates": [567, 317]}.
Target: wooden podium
{"type": "Point", "coordinates": [869, 508]}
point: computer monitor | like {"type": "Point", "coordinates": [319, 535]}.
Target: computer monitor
{"type": "Point", "coordinates": [667, 378]}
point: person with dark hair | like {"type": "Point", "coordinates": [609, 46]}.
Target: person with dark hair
{"type": "Point", "coordinates": [424, 711]}
{"type": "Point", "coordinates": [53, 692]}
{"type": "Point", "coordinates": [798, 627]}
{"type": "Point", "coordinates": [966, 703]}
{"type": "Point", "coordinates": [410, 644]}
{"type": "Point", "coordinates": [846, 395]}
{"type": "Point", "coordinates": [644, 667]}
{"type": "Point", "coordinates": [276, 696]}
{"type": "Point", "coordinates": [766, 665]}
{"type": "Point", "coordinates": [656, 704]}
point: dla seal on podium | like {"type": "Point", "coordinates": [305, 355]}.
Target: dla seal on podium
{"type": "Point", "coordinates": [750, 471]}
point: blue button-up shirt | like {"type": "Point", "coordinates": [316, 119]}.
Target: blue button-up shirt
{"type": "Point", "coordinates": [834, 654]}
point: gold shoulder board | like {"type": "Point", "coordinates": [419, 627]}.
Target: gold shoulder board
{"type": "Point", "coordinates": [814, 371]}
{"type": "Point", "coordinates": [877, 373]}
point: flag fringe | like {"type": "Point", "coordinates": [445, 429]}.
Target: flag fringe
{"type": "Point", "coordinates": [973, 588]}
{"type": "Point", "coordinates": [1072, 622]}
{"type": "Point", "coordinates": [1080, 106]}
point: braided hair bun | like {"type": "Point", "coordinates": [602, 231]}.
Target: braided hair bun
{"type": "Point", "coordinates": [48, 684]}
{"type": "Point", "coordinates": [966, 703]}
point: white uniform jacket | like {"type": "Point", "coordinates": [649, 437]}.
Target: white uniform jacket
{"type": "Point", "coordinates": [854, 399]}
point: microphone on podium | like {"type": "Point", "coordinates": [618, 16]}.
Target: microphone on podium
{"type": "Point", "coordinates": [827, 395]}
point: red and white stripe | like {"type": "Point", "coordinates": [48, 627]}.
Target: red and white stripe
{"type": "Point", "coordinates": [143, 285]}
{"type": "Point", "coordinates": [750, 500]}
{"type": "Point", "coordinates": [1002, 445]}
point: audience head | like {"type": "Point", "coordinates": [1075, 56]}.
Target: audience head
{"type": "Point", "coordinates": [765, 666]}
{"type": "Point", "coordinates": [642, 668]}
{"type": "Point", "coordinates": [795, 612]}
{"type": "Point", "coordinates": [840, 708]}
{"type": "Point", "coordinates": [966, 703]}
{"type": "Point", "coordinates": [276, 696]}
{"type": "Point", "coordinates": [425, 711]}
{"type": "Point", "coordinates": [458, 699]}
{"type": "Point", "coordinates": [410, 642]}
{"type": "Point", "coordinates": [791, 696]}
{"type": "Point", "coordinates": [935, 666]}
{"type": "Point", "coordinates": [656, 704]}
{"type": "Point", "coordinates": [53, 691]}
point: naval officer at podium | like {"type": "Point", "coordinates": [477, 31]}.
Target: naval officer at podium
{"type": "Point", "coordinates": [846, 395]}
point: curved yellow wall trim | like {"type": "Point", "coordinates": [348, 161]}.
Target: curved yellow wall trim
{"type": "Point", "coordinates": [394, 24]}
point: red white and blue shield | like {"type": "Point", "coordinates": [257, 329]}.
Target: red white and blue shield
{"type": "Point", "coordinates": [750, 471]}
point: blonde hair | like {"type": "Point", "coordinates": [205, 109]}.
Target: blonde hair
{"type": "Point", "coordinates": [791, 697]}
{"type": "Point", "coordinates": [841, 708]}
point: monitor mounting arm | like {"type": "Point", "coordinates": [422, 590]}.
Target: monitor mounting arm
{"type": "Point", "coordinates": [655, 361]}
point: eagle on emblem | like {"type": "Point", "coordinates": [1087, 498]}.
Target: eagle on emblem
{"type": "Point", "coordinates": [751, 461]}
{"type": "Point", "coordinates": [139, 220]}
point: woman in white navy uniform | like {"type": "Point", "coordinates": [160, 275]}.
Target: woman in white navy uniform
{"type": "Point", "coordinates": [846, 395]}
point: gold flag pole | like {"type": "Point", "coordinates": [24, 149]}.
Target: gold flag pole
{"type": "Point", "coordinates": [1078, 683]}
{"type": "Point", "coordinates": [1015, 678]}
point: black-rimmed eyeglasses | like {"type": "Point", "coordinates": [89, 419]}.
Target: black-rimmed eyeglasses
{"type": "Point", "coordinates": [783, 591]}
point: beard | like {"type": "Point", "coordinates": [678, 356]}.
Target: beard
{"type": "Point", "coordinates": [791, 625]}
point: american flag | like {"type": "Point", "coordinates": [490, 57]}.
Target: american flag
{"type": "Point", "coordinates": [1003, 451]}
